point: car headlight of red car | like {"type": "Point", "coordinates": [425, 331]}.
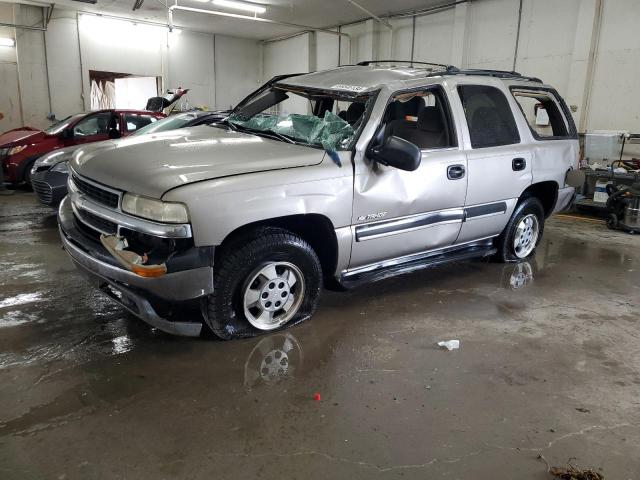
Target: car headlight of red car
{"type": "Point", "coordinates": [18, 149]}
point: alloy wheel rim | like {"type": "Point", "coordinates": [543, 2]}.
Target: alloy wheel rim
{"type": "Point", "coordinates": [273, 295]}
{"type": "Point", "coordinates": [526, 236]}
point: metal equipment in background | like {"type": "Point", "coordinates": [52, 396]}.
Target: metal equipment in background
{"type": "Point", "coordinates": [607, 168]}
{"type": "Point", "coordinates": [624, 207]}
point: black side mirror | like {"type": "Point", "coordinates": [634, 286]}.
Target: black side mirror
{"type": "Point", "coordinates": [397, 152]}
{"type": "Point", "coordinates": [113, 134]}
{"type": "Point", "coordinates": [67, 134]}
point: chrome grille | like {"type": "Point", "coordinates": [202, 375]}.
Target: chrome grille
{"type": "Point", "coordinates": [43, 190]}
{"type": "Point", "coordinates": [96, 193]}
{"type": "Point", "coordinates": [100, 224]}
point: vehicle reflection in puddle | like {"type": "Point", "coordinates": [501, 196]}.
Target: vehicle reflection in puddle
{"type": "Point", "coordinates": [515, 276]}
{"type": "Point", "coordinates": [273, 359]}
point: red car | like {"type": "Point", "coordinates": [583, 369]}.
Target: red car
{"type": "Point", "coordinates": [20, 147]}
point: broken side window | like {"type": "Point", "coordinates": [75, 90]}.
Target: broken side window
{"type": "Point", "coordinates": [543, 113]}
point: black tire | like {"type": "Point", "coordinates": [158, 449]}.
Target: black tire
{"type": "Point", "coordinates": [504, 244]}
{"type": "Point", "coordinates": [26, 176]}
{"type": "Point", "coordinates": [612, 221]}
{"type": "Point", "coordinates": [224, 313]}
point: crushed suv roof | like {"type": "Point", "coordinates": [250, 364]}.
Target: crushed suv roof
{"type": "Point", "coordinates": [371, 75]}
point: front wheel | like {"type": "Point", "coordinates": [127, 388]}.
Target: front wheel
{"type": "Point", "coordinates": [268, 280]}
{"type": "Point", "coordinates": [523, 232]}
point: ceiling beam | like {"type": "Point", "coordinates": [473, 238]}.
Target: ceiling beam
{"type": "Point", "coordinates": [173, 8]}
{"type": "Point", "coordinates": [371, 14]}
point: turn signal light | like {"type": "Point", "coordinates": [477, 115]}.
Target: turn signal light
{"type": "Point", "coordinates": [151, 271]}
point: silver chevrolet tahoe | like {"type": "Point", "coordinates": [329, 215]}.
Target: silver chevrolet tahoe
{"type": "Point", "coordinates": [332, 178]}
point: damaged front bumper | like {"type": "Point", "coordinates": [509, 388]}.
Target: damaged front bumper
{"type": "Point", "coordinates": [188, 278]}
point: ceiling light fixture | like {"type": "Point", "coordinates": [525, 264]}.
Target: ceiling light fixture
{"type": "Point", "coordinates": [247, 7]}
{"type": "Point", "coordinates": [7, 42]}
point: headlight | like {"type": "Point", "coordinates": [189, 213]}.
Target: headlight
{"type": "Point", "coordinates": [53, 158]}
{"type": "Point", "coordinates": [14, 150]}
{"type": "Point", "coordinates": [62, 167]}
{"type": "Point", "coordinates": [157, 210]}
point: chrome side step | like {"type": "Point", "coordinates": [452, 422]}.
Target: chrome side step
{"type": "Point", "coordinates": [430, 259]}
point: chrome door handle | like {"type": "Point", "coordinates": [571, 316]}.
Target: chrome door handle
{"type": "Point", "coordinates": [455, 172]}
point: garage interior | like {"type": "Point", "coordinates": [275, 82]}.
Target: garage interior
{"type": "Point", "coordinates": [547, 373]}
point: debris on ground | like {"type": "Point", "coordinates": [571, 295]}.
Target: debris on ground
{"type": "Point", "coordinates": [583, 410]}
{"type": "Point", "coordinates": [572, 473]}
{"type": "Point", "coordinates": [316, 397]}
{"type": "Point", "coordinates": [450, 344]}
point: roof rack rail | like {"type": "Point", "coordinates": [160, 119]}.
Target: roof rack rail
{"type": "Point", "coordinates": [411, 62]}
{"type": "Point", "coordinates": [490, 73]}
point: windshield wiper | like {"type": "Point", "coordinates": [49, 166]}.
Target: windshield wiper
{"type": "Point", "coordinates": [280, 136]}
{"type": "Point", "coordinates": [269, 133]}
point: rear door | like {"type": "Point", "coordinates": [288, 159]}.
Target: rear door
{"type": "Point", "coordinates": [498, 162]}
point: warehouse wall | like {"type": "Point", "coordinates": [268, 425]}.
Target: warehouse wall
{"type": "Point", "coordinates": [554, 44]}
{"type": "Point", "coordinates": [218, 70]}
{"type": "Point", "coordinates": [9, 93]}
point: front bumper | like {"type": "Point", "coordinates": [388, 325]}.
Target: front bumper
{"type": "Point", "coordinates": [50, 187]}
{"type": "Point", "coordinates": [129, 289]}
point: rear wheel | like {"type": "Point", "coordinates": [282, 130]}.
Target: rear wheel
{"type": "Point", "coordinates": [523, 232]}
{"type": "Point", "coordinates": [268, 280]}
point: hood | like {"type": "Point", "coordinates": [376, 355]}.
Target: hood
{"type": "Point", "coordinates": [20, 136]}
{"type": "Point", "coordinates": [152, 164]}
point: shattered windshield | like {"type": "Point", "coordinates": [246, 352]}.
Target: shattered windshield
{"type": "Point", "coordinates": [328, 120]}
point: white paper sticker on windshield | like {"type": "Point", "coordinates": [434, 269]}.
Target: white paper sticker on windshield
{"type": "Point", "coordinates": [350, 88]}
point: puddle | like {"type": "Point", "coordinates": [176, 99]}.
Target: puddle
{"type": "Point", "coordinates": [16, 318]}
{"type": "Point", "coordinates": [273, 359]}
{"type": "Point", "coordinates": [21, 299]}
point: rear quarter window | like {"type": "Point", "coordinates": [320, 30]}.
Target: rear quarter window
{"type": "Point", "coordinates": [545, 113]}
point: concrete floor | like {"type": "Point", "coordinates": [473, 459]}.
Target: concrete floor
{"type": "Point", "coordinates": [549, 364]}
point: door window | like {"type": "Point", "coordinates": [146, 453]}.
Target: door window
{"type": "Point", "coordinates": [134, 121]}
{"type": "Point", "coordinates": [489, 116]}
{"type": "Point", "coordinates": [96, 124]}
{"type": "Point", "coordinates": [543, 113]}
{"type": "Point", "coordinates": [420, 117]}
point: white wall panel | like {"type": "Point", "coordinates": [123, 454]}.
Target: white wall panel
{"type": "Point", "coordinates": [32, 70]}
{"type": "Point", "coordinates": [7, 54]}
{"type": "Point", "coordinates": [237, 70]}
{"type": "Point", "coordinates": [434, 37]}
{"type": "Point", "coordinates": [491, 34]}
{"type": "Point", "coordinates": [326, 50]}
{"type": "Point", "coordinates": [287, 56]}
{"type": "Point", "coordinates": [547, 35]}
{"type": "Point", "coordinates": [9, 97]}
{"type": "Point", "coordinates": [64, 65]}
{"type": "Point", "coordinates": [190, 61]}
{"type": "Point", "coordinates": [614, 97]}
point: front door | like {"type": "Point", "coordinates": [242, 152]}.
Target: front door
{"type": "Point", "coordinates": [95, 127]}
{"type": "Point", "coordinates": [397, 213]}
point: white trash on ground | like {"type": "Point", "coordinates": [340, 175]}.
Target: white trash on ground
{"type": "Point", "coordinates": [450, 344]}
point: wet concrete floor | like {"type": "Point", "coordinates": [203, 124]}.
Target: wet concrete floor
{"type": "Point", "coordinates": [549, 364]}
